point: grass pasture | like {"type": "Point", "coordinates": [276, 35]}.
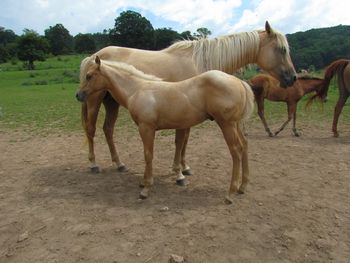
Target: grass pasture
{"type": "Point", "coordinates": [43, 100]}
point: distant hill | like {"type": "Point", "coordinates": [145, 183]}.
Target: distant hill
{"type": "Point", "coordinates": [316, 48]}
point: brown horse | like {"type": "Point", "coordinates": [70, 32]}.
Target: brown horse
{"type": "Point", "coordinates": [156, 105]}
{"type": "Point", "coordinates": [267, 87]}
{"type": "Point", "coordinates": [182, 60]}
{"type": "Point", "coordinates": [341, 67]}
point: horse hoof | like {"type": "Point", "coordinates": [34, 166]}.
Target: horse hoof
{"type": "Point", "coordinates": [142, 196]}
{"type": "Point", "coordinates": [122, 168]}
{"type": "Point", "coordinates": [141, 185]}
{"type": "Point", "coordinates": [336, 135]}
{"type": "Point", "coordinates": [240, 191]}
{"type": "Point", "coordinates": [228, 200]}
{"type": "Point", "coordinates": [181, 182]}
{"type": "Point", "coordinates": [297, 134]}
{"type": "Point", "coordinates": [187, 172]}
{"type": "Point", "coordinates": [95, 169]}
{"type": "Point", "coordinates": [271, 134]}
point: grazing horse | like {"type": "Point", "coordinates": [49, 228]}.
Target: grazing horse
{"type": "Point", "coordinates": [182, 60]}
{"type": "Point", "coordinates": [341, 67]}
{"type": "Point", "coordinates": [156, 105]}
{"type": "Point", "coordinates": [267, 87]}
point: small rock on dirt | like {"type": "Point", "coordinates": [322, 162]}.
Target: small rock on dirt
{"type": "Point", "coordinates": [23, 237]}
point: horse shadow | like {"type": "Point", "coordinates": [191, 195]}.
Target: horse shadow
{"type": "Point", "coordinates": [110, 188]}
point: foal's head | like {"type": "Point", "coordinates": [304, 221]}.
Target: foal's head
{"type": "Point", "coordinates": [274, 56]}
{"type": "Point", "coordinates": [91, 79]}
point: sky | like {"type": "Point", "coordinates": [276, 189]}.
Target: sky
{"type": "Point", "coordinates": [219, 16]}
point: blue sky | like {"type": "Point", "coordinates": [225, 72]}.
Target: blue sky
{"type": "Point", "coordinates": [219, 16]}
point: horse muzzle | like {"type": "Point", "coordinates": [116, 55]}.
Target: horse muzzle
{"type": "Point", "coordinates": [288, 80]}
{"type": "Point", "coordinates": [81, 96]}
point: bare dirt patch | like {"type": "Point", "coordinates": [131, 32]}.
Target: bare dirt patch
{"type": "Point", "coordinates": [296, 209]}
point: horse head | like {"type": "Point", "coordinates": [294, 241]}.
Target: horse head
{"type": "Point", "coordinates": [274, 56]}
{"type": "Point", "coordinates": [90, 78]}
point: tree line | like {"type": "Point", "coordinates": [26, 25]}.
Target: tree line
{"type": "Point", "coordinates": [131, 29]}
{"type": "Point", "coordinates": [312, 49]}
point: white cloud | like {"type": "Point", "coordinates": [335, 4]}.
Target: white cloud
{"type": "Point", "coordinates": [220, 16]}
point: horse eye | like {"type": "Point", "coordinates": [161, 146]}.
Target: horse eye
{"type": "Point", "coordinates": [88, 77]}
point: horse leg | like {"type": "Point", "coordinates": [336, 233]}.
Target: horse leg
{"type": "Point", "coordinates": [147, 134]}
{"type": "Point", "coordinates": [337, 110]}
{"type": "Point", "coordinates": [179, 143]}
{"type": "Point", "coordinates": [89, 118]}
{"type": "Point", "coordinates": [245, 166]}
{"type": "Point", "coordinates": [260, 104]}
{"type": "Point", "coordinates": [291, 109]}
{"type": "Point", "coordinates": [295, 131]}
{"type": "Point", "coordinates": [232, 140]}
{"type": "Point", "coordinates": [186, 170]}
{"type": "Point", "coordinates": [112, 109]}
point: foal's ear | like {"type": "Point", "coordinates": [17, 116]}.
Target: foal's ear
{"type": "Point", "coordinates": [98, 61]}
{"type": "Point", "coordinates": [268, 28]}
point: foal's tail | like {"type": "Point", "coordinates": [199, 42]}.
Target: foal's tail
{"type": "Point", "coordinates": [335, 67]}
{"type": "Point", "coordinates": [249, 102]}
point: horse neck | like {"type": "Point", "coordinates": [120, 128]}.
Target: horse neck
{"type": "Point", "coordinates": [122, 85]}
{"type": "Point", "coordinates": [227, 53]}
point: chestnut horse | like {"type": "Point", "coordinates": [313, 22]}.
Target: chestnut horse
{"type": "Point", "coordinates": [182, 60]}
{"type": "Point", "coordinates": [341, 67]}
{"type": "Point", "coordinates": [156, 105]}
{"type": "Point", "coordinates": [267, 87]}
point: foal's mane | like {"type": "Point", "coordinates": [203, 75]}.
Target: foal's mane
{"type": "Point", "coordinates": [129, 69]}
{"type": "Point", "coordinates": [226, 53]}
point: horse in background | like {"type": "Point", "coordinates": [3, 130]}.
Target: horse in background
{"type": "Point", "coordinates": [267, 87]}
{"type": "Point", "coordinates": [341, 68]}
{"type": "Point", "coordinates": [182, 60]}
{"type": "Point", "coordinates": [156, 105]}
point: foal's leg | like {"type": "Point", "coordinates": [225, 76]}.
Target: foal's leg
{"type": "Point", "coordinates": [245, 166]}
{"type": "Point", "coordinates": [186, 170]}
{"type": "Point", "coordinates": [260, 104]}
{"type": "Point", "coordinates": [232, 140]}
{"type": "Point", "coordinates": [147, 135]}
{"type": "Point", "coordinates": [337, 110]}
{"type": "Point", "coordinates": [179, 143]}
{"type": "Point", "coordinates": [90, 111]}
{"type": "Point", "coordinates": [295, 131]}
{"type": "Point", "coordinates": [291, 109]}
{"type": "Point", "coordinates": [112, 108]}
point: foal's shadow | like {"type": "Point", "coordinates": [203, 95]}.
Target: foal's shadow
{"type": "Point", "coordinates": [114, 189]}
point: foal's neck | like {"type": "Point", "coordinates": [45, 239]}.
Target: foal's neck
{"type": "Point", "coordinates": [122, 85]}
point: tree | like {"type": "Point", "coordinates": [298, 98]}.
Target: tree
{"type": "Point", "coordinates": [186, 35]}
{"type": "Point", "coordinates": [101, 39]}
{"type": "Point", "coordinates": [132, 30]}
{"type": "Point", "coordinates": [164, 37]}
{"type": "Point", "coordinates": [32, 47]}
{"type": "Point", "coordinates": [7, 36]}
{"type": "Point", "coordinates": [61, 42]}
{"type": "Point", "coordinates": [202, 32]}
{"type": "Point", "coordinates": [84, 43]}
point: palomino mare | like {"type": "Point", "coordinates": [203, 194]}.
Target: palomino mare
{"type": "Point", "coordinates": [341, 67]}
{"type": "Point", "coordinates": [156, 105]}
{"type": "Point", "coordinates": [182, 60]}
{"type": "Point", "coordinates": [267, 87]}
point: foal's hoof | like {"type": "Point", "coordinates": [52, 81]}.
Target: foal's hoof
{"type": "Point", "coordinates": [143, 194]}
{"type": "Point", "coordinates": [240, 191]}
{"type": "Point", "coordinates": [181, 182]}
{"type": "Point", "coordinates": [336, 134]}
{"type": "Point", "coordinates": [187, 172]}
{"type": "Point", "coordinates": [95, 169]}
{"type": "Point", "coordinates": [122, 168]}
{"type": "Point", "coordinates": [270, 134]}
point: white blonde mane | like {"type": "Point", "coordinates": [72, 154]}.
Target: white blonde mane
{"type": "Point", "coordinates": [226, 53]}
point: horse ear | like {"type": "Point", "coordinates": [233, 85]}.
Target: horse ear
{"type": "Point", "coordinates": [98, 61]}
{"type": "Point", "coordinates": [268, 28]}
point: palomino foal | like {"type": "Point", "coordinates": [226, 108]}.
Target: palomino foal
{"type": "Point", "coordinates": [156, 105]}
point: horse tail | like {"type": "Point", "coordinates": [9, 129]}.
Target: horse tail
{"type": "Point", "coordinates": [335, 67]}
{"type": "Point", "coordinates": [249, 101]}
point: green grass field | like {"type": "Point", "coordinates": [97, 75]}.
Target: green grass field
{"type": "Point", "coordinates": [43, 100]}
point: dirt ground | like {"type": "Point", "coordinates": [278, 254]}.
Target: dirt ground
{"type": "Point", "coordinates": [296, 208]}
